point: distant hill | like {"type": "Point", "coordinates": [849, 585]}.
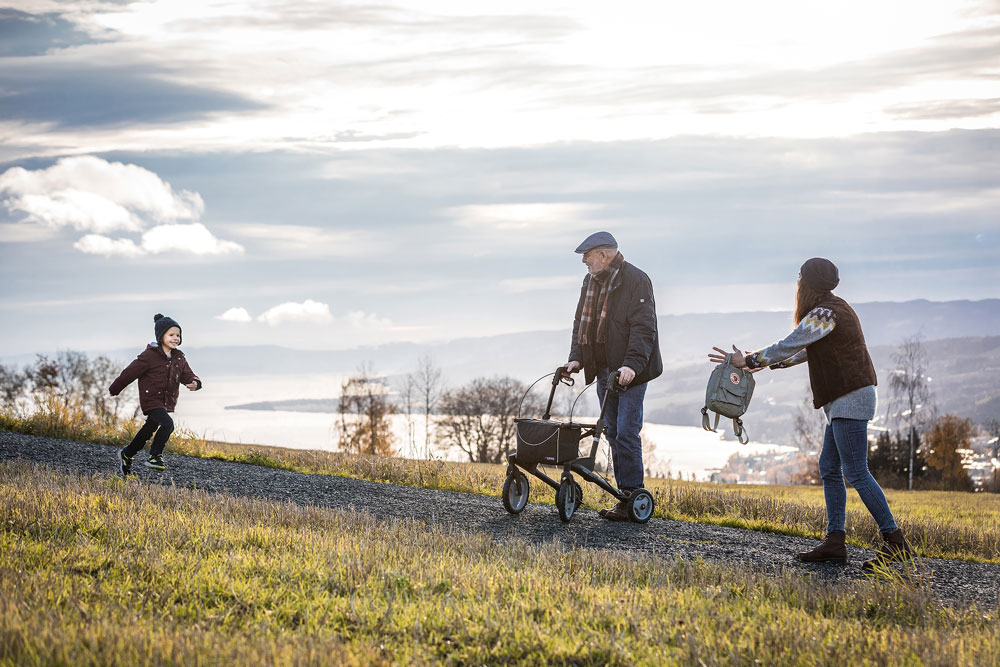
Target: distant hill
{"type": "Point", "coordinates": [684, 339]}
{"type": "Point", "coordinates": [962, 339]}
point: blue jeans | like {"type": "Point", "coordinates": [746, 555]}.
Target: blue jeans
{"type": "Point", "coordinates": [845, 454]}
{"type": "Point", "coordinates": [623, 421]}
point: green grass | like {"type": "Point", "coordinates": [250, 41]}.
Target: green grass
{"type": "Point", "coordinates": [94, 570]}
{"type": "Point", "coordinates": [939, 524]}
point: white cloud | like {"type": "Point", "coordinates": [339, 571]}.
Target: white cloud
{"type": "Point", "coordinates": [308, 311]}
{"type": "Point", "coordinates": [194, 238]}
{"type": "Point", "coordinates": [90, 194]}
{"type": "Point", "coordinates": [235, 314]}
{"type": "Point", "coordinates": [95, 244]}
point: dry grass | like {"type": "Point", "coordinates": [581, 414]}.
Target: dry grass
{"type": "Point", "coordinates": [94, 570]}
{"type": "Point", "coordinates": [939, 523]}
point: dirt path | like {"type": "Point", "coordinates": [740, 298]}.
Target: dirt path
{"type": "Point", "coordinates": [952, 582]}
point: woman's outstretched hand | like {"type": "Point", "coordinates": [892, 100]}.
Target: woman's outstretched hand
{"type": "Point", "coordinates": [738, 359]}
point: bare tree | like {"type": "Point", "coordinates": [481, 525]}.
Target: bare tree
{"type": "Point", "coordinates": [12, 386]}
{"type": "Point", "coordinates": [429, 384]}
{"type": "Point", "coordinates": [364, 412]}
{"type": "Point", "coordinates": [478, 418]}
{"type": "Point", "coordinates": [910, 393]}
{"type": "Point", "coordinates": [809, 429]}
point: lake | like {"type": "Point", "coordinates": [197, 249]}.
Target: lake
{"type": "Point", "coordinates": [668, 449]}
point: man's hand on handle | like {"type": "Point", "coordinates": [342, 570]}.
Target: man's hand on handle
{"type": "Point", "coordinates": [625, 374]}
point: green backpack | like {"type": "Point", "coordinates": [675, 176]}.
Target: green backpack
{"type": "Point", "coordinates": [728, 395]}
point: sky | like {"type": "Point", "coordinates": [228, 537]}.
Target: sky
{"type": "Point", "coordinates": [327, 175]}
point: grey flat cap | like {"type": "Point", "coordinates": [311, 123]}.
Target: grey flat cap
{"type": "Point", "coordinates": [597, 240]}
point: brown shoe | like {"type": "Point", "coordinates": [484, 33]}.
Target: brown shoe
{"type": "Point", "coordinates": [617, 513]}
{"type": "Point", "coordinates": [831, 551]}
{"type": "Point", "coordinates": [896, 548]}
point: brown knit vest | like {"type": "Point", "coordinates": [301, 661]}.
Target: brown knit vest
{"type": "Point", "coordinates": [839, 363]}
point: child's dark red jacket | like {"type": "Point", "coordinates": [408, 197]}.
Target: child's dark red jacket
{"type": "Point", "coordinates": [160, 378]}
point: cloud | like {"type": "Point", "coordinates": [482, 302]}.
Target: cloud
{"type": "Point", "coordinates": [66, 95]}
{"type": "Point", "coordinates": [24, 34]}
{"type": "Point", "coordinates": [235, 314]}
{"type": "Point", "coordinates": [89, 194]}
{"type": "Point", "coordinates": [945, 109]}
{"type": "Point", "coordinates": [194, 239]}
{"type": "Point", "coordinates": [309, 241]}
{"type": "Point", "coordinates": [309, 311]}
{"type": "Point", "coordinates": [95, 244]}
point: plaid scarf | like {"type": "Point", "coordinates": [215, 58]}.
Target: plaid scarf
{"type": "Point", "coordinates": [596, 301]}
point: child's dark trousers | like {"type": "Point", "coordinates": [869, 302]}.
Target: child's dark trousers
{"type": "Point", "coordinates": [158, 420]}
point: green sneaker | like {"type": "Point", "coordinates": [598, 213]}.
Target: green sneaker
{"type": "Point", "coordinates": [156, 463]}
{"type": "Point", "coordinates": [124, 463]}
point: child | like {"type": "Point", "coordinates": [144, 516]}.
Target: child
{"type": "Point", "coordinates": [161, 368]}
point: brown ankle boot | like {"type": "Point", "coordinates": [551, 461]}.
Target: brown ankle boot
{"type": "Point", "coordinates": [896, 548]}
{"type": "Point", "coordinates": [832, 550]}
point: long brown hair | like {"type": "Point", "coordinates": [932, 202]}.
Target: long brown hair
{"type": "Point", "coordinates": [806, 298]}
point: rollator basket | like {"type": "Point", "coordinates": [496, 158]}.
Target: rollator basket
{"type": "Point", "coordinates": [546, 441]}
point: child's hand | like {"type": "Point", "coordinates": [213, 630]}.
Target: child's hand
{"type": "Point", "coordinates": [193, 386]}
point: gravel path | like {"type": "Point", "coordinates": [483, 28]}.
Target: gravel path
{"type": "Point", "coordinates": [955, 583]}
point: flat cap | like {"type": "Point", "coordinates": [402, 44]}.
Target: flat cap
{"type": "Point", "coordinates": [597, 240]}
{"type": "Point", "coordinates": [820, 274]}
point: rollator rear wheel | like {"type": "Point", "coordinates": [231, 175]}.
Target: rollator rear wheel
{"type": "Point", "coordinates": [579, 494]}
{"type": "Point", "coordinates": [566, 499]}
{"type": "Point", "coordinates": [640, 506]}
{"type": "Point", "coordinates": [515, 492]}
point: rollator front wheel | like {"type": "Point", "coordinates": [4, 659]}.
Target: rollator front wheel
{"type": "Point", "coordinates": [640, 506]}
{"type": "Point", "coordinates": [578, 494]}
{"type": "Point", "coordinates": [566, 499]}
{"type": "Point", "coordinates": [515, 492]}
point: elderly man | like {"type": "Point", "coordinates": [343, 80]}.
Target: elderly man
{"type": "Point", "coordinates": [615, 329]}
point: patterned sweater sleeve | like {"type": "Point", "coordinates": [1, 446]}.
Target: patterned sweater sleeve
{"type": "Point", "coordinates": [791, 350]}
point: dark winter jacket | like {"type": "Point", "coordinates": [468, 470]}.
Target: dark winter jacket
{"type": "Point", "coordinates": [632, 337]}
{"type": "Point", "coordinates": [159, 378]}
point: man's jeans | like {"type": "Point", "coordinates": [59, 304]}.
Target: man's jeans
{"type": "Point", "coordinates": [623, 420]}
{"type": "Point", "coordinates": [845, 454]}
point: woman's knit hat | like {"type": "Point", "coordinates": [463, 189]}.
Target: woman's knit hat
{"type": "Point", "coordinates": [162, 325]}
{"type": "Point", "coordinates": [820, 274]}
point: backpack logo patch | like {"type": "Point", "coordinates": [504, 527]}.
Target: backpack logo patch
{"type": "Point", "coordinates": [734, 378]}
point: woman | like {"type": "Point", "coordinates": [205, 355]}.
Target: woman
{"type": "Point", "coordinates": [828, 336]}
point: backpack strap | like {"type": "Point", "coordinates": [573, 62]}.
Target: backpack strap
{"type": "Point", "coordinates": [704, 420]}
{"type": "Point", "coordinates": [741, 433]}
